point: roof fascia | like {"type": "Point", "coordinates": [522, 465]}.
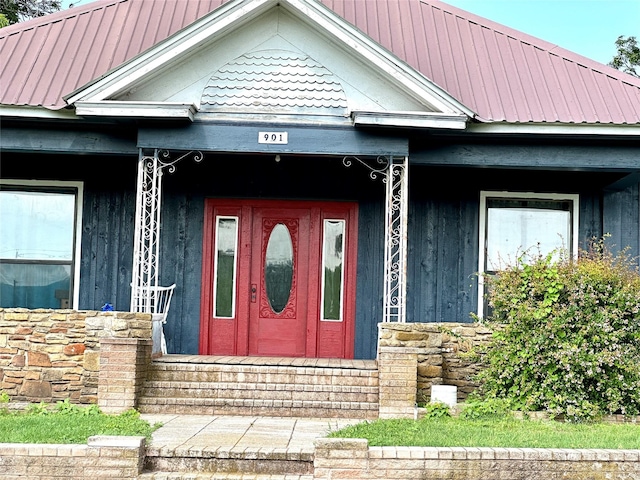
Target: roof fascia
{"type": "Point", "coordinates": [20, 111]}
{"type": "Point", "coordinates": [410, 120]}
{"type": "Point", "coordinates": [361, 44]}
{"type": "Point", "coordinates": [165, 51]}
{"type": "Point", "coordinates": [148, 110]}
{"type": "Point", "coordinates": [240, 11]}
{"type": "Point", "coordinates": [563, 129]}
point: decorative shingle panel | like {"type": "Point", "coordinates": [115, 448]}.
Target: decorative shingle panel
{"type": "Point", "coordinates": [274, 81]}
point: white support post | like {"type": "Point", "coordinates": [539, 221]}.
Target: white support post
{"type": "Point", "coordinates": [147, 231]}
{"type": "Point", "coordinates": [146, 247]}
{"type": "Point", "coordinates": [395, 241]}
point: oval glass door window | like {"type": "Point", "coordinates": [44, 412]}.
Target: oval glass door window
{"type": "Point", "coordinates": [278, 268]}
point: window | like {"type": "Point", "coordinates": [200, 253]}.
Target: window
{"type": "Point", "coordinates": [39, 244]}
{"type": "Point", "coordinates": [332, 268]}
{"type": "Point", "coordinates": [512, 224]}
{"type": "Point", "coordinates": [225, 267]}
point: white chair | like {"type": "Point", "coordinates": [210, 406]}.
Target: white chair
{"type": "Point", "coordinates": [155, 300]}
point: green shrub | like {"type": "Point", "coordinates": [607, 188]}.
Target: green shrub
{"type": "Point", "coordinates": [566, 335]}
{"type": "Point", "coordinates": [436, 410]}
{"type": "Point", "coordinates": [476, 408]}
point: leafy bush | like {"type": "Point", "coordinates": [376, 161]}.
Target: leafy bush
{"type": "Point", "coordinates": [477, 408]}
{"type": "Point", "coordinates": [436, 410]}
{"type": "Point", "coordinates": [566, 335]}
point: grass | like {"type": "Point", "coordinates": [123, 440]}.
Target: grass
{"type": "Point", "coordinates": [68, 423]}
{"type": "Point", "coordinates": [503, 432]}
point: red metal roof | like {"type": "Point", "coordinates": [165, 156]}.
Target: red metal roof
{"type": "Point", "coordinates": [499, 73]}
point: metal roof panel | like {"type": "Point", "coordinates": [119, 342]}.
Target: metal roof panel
{"type": "Point", "coordinates": [501, 74]}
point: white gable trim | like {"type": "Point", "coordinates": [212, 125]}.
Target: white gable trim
{"type": "Point", "coordinates": [410, 119]}
{"type": "Point", "coordinates": [234, 13]}
{"type": "Point", "coordinates": [136, 109]}
{"type": "Point", "coordinates": [23, 111]}
{"type": "Point", "coordinates": [408, 77]}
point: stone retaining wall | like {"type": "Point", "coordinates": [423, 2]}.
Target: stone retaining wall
{"type": "Point", "coordinates": [50, 355]}
{"type": "Point", "coordinates": [104, 457]}
{"type": "Point", "coordinates": [447, 353]}
{"type": "Point", "coordinates": [353, 459]}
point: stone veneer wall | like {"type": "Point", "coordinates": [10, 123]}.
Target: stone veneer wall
{"type": "Point", "coordinates": [353, 459]}
{"type": "Point", "coordinates": [50, 355]}
{"type": "Point", "coordinates": [446, 353]}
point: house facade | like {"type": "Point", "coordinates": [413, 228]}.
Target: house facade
{"type": "Point", "coordinates": [301, 170]}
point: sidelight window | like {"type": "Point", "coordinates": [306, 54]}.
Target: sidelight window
{"type": "Point", "coordinates": [225, 267]}
{"type": "Point", "coordinates": [333, 269]}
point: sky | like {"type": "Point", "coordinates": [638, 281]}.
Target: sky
{"type": "Point", "coordinates": [587, 27]}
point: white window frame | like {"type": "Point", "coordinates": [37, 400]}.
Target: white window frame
{"type": "Point", "coordinates": [235, 266]}
{"type": "Point", "coordinates": [342, 272]}
{"type": "Point", "coordinates": [482, 252]}
{"type": "Point", "coordinates": [34, 185]}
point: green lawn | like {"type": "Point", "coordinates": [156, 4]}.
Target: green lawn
{"type": "Point", "coordinates": [457, 432]}
{"type": "Point", "coordinates": [68, 424]}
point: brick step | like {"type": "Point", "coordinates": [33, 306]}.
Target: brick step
{"type": "Point", "coordinates": [336, 393]}
{"type": "Point", "coordinates": [209, 385]}
{"type": "Point", "coordinates": [218, 476]}
{"type": "Point", "coordinates": [223, 463]}
{"type": "Point", "coordinates": [282, 387]}
{"type": "Point", "coordinates": [249, 406]}
{"type": "Point", "coordinates": [264, 380]}
{"type": "Point", "coordinates": [252, 374]}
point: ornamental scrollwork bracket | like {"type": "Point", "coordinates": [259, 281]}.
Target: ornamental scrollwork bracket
{"type": "Point", "coordinates": [380, 166]}
{"type": "Point", "coordinates": [165, 160]}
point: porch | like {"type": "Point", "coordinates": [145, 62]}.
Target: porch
{"type": "Point", "coordinates": [106, 358]}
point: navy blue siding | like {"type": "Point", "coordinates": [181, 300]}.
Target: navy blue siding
{"type": "Point", "coordinates": [443, 226]}
{"type": "Point", "coordinates": [369, 290]}
{"type": "Point", "coordinates": [621, 213]}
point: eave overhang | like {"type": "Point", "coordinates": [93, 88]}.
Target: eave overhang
{"type": "Point", "coordinates": [137, 110]}
{"type": "Point", "coordinates": [554, 129]}
{"type": "Point", "coordinates": [35, 113]}
{"type": "Point", "coordinates": [410, 120]}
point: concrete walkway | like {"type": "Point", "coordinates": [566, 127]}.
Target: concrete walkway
{"type": "Point", "coordinates": [214, 447]}
{"type": "Point", "coordinates": [204, 432]}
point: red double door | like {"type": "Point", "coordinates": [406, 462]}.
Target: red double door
{"type": "Point", "coordinates": [279, 278]}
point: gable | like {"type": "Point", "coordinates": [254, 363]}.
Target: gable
{"type": "Point", "coordinates": [274, 60]}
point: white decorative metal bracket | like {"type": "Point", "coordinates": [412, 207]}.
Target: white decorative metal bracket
{"type": "Point", "coordinates": [381, 169]}
{"type": "Point", "coordinates": [147, 222]}
{"type": "Point", "coordinates": [394, 172]}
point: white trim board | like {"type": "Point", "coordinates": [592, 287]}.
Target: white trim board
{"type": "Point", "coordinates": [78, 222]}
{"type": "Point", "coordinates": [574, 198]}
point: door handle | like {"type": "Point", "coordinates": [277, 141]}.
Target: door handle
{"type": "Point", "coordinates": [254, 289]}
